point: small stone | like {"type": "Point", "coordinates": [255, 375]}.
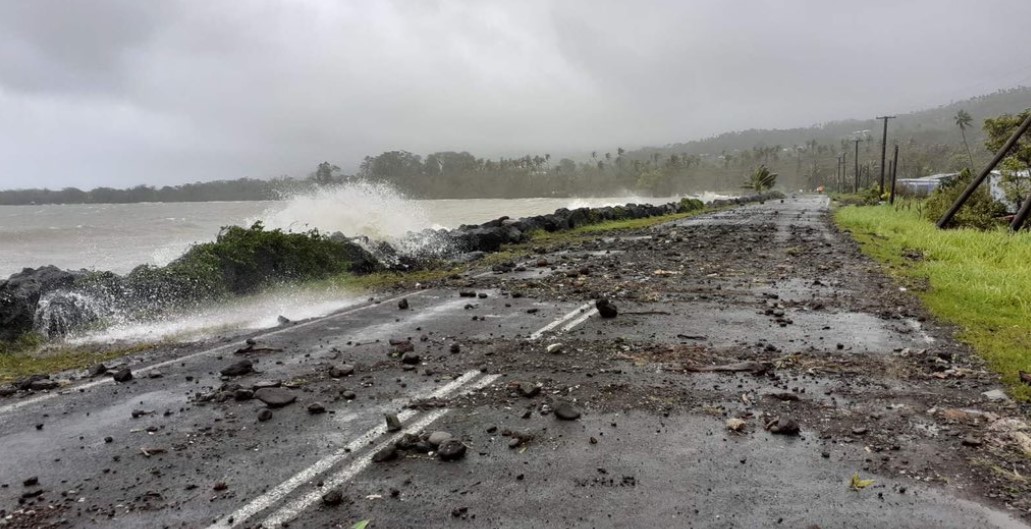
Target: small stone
{"type": "Point", "coordinates": [243, 394]}
{"type": "Point", "coordinates": [341, 371]}
{"type": "Point", "coordinates": [332, 498]}
{"type": "Point", "coordinates": [566, 411]}
{"type": "Point", "coordinates": [220, 486]}
{"type": "Point", "coordinates": [554, 349]}
{"type": "Point", "coordinates": [264, 415]}
{"type": "Point", "coordinates": [388, 453]}
{"type": "Point", "coordinates": [482, 295]}
{"type": "Point", "coordinates": [783, 427]}
{"type": "Point", "coordinates": [411, 359]}
{"type": "Point", "coordinates": [238, 369]}
{"type": "Point", "coordinates": [122, 375]}
{"type": "Point", "coordinates": [859, 430]}
{"type": "Point", "coordinates": [316, 408]}
{"type": "Point", "coordinates": [735, 424]}
{"type": "Point", "coordinates": [109, 439]}
{"type": "Point", "coordinates": [466, 294]}
{"type": "Point", "coordinates": [31, 482]}
{"type": "Point", "coordinates": [393, 423]}
{"type": "Point", "coordinates": [283, 320]}
{"type": "Point", "coordinates": [606, 308]}
{"type": "Point", "coordinates": [97, 370]}
{"type": "Point", "coordinates": [455, 348]}
{"type": "Point", "coordinates": [348, 394]}
{"type": "Point", "coordinates": [403, 304]}
{"type": "Point", "coordinates": [275, 397]}
{"type": "Point", "coordinates": [972, 441]}
{"type": "Point", "coordinates": [451, 450]}
{"type": "Point", "coordinates": [438, 438]}
{"type": "Point", "coordinates": [996, 395]}
{"type": "Point", "coordinates": [529, 391]}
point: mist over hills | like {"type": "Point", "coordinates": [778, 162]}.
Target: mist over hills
{"type": "Point", "coordinates": [930, 141]}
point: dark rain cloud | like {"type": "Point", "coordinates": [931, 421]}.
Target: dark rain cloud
{"type": "Point", "coordinates": [121, 92]}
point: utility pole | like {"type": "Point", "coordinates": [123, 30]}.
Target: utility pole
{"type": "Point", "coordinates": [894, 171]}
{"type": "Point", "coordinates": [857, 165]}
{"type": "Point", "coordinates": [884, 148]}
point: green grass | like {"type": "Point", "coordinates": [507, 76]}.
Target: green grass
{"type": "Point", "coordinates": [16, 365]}
{"type": "Point", "coordinates": [979, 281]}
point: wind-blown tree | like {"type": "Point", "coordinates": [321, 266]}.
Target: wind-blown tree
{"type": "Point", "coordinates": [762, 179]}
{"type": "Point", "coordinates": [963, 120]}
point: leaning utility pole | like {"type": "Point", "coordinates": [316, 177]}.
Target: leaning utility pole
{"type": "Point", "coordinates": [884, 148]}
{"type": "Point", "coordinates": [1005, 150]}
{"type": "Point", "coordinates": [857, 165]}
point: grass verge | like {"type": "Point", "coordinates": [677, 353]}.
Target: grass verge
{"type": "Point", "coordinates": [16, 365]}
{"type": "Point", "coordinates": [979, 281]}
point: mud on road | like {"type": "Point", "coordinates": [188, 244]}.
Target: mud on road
{"type": "Point", "coordinates": [758, 371]}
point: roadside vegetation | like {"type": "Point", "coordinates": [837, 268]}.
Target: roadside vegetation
{"type": "Point", "coordinates": [976, 275]}
{"type": "Point", "coordinates": [977, 280]}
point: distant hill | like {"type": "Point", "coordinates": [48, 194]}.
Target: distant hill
{"type": "Point", "coordinates": [929, 140]}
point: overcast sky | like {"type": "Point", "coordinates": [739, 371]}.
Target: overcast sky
{"type": "Point", "coordinates": [123, 92]}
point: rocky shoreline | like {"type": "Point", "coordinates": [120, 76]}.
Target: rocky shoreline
{"type": "Point", "coordinates": [50, 302]}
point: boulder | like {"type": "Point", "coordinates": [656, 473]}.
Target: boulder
{"type": "Point", "coordinates": [20, 295]}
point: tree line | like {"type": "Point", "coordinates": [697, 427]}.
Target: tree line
{"type": "Point", "coordinates": [943, 139]}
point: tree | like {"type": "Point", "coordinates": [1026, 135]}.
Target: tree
{"type": "Point", "coordinates": [1015, 182]}
{"type": "Point", "coordinates": [963, 120]}
{"type": "Point", "coordinates": [324, 173]}
{"type": "Point", "coordinates": [762, 179]}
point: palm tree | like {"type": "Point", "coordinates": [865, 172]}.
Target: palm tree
{"type": "Point", "coordinates": [963, 120]}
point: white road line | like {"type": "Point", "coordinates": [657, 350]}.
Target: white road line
{"type": "Point", "coordinates": [560, 321]}
{"type": "Point", "coordinates": [291, 510]}
{"type": "Point", "coordinates": [283, 489]}
{"type": "Point", "coordinates": [47, 396]}
{"type": "Point", "coordinates": [569, 326]}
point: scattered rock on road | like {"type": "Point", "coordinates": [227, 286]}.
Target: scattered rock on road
{"type": "Point", "coordinates": [451, 450]}
{"type": "Point", "coordinates": [403, 304]}
{"type": "Point", "coordinates": [341, 371]}
{"type": "Point", "coordinates": [393, 423]}
{"type": "Point", "coordinates": [437, 438]}
{"type": "Point", "coordinates": [782, 426]}
{"type": "Point", "coordinates": [238, 369]}
{"type": "Point", "coordinates": [735, 424]}
{"type": "Point", "coordinates": [275, 397]}
{"type": "Point", "coordinates": [606, 308]}
{"type": "Point", "coordinates": [264, 415]}
{"type": "Point", "coordinates": [566, 411]}
{"type": "Point", "coordinates": [122, 375]}
{"type": "Point", "coordinates": [332, 498]}
{"type": "Point", "coordinates": [316, 408]}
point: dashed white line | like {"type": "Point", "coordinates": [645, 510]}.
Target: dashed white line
{"type": "Point", "coordinates": [140, 370]}
{"type": "Point", "coordinates": [569, 326]}
{"type": "Point", "coordinates": [560, 321]}
{"type": "Point", "coordinates": [283, 489]}
{"type": "Point", "coordinates": [291, 510]}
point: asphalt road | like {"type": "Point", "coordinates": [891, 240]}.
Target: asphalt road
{"type": "Point", "coordinates": [181, 446]}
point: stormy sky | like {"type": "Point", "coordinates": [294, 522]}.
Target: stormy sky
{"type": "Point", "coordinates": [124, 92]}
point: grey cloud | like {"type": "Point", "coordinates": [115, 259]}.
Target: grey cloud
{"type": "Point", "coordinates": [113, 92]}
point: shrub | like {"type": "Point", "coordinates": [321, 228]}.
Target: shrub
{"type": "Point", "coordinates": [688, 205]}
{"type": "Point", "coordinates": [980, 211]}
